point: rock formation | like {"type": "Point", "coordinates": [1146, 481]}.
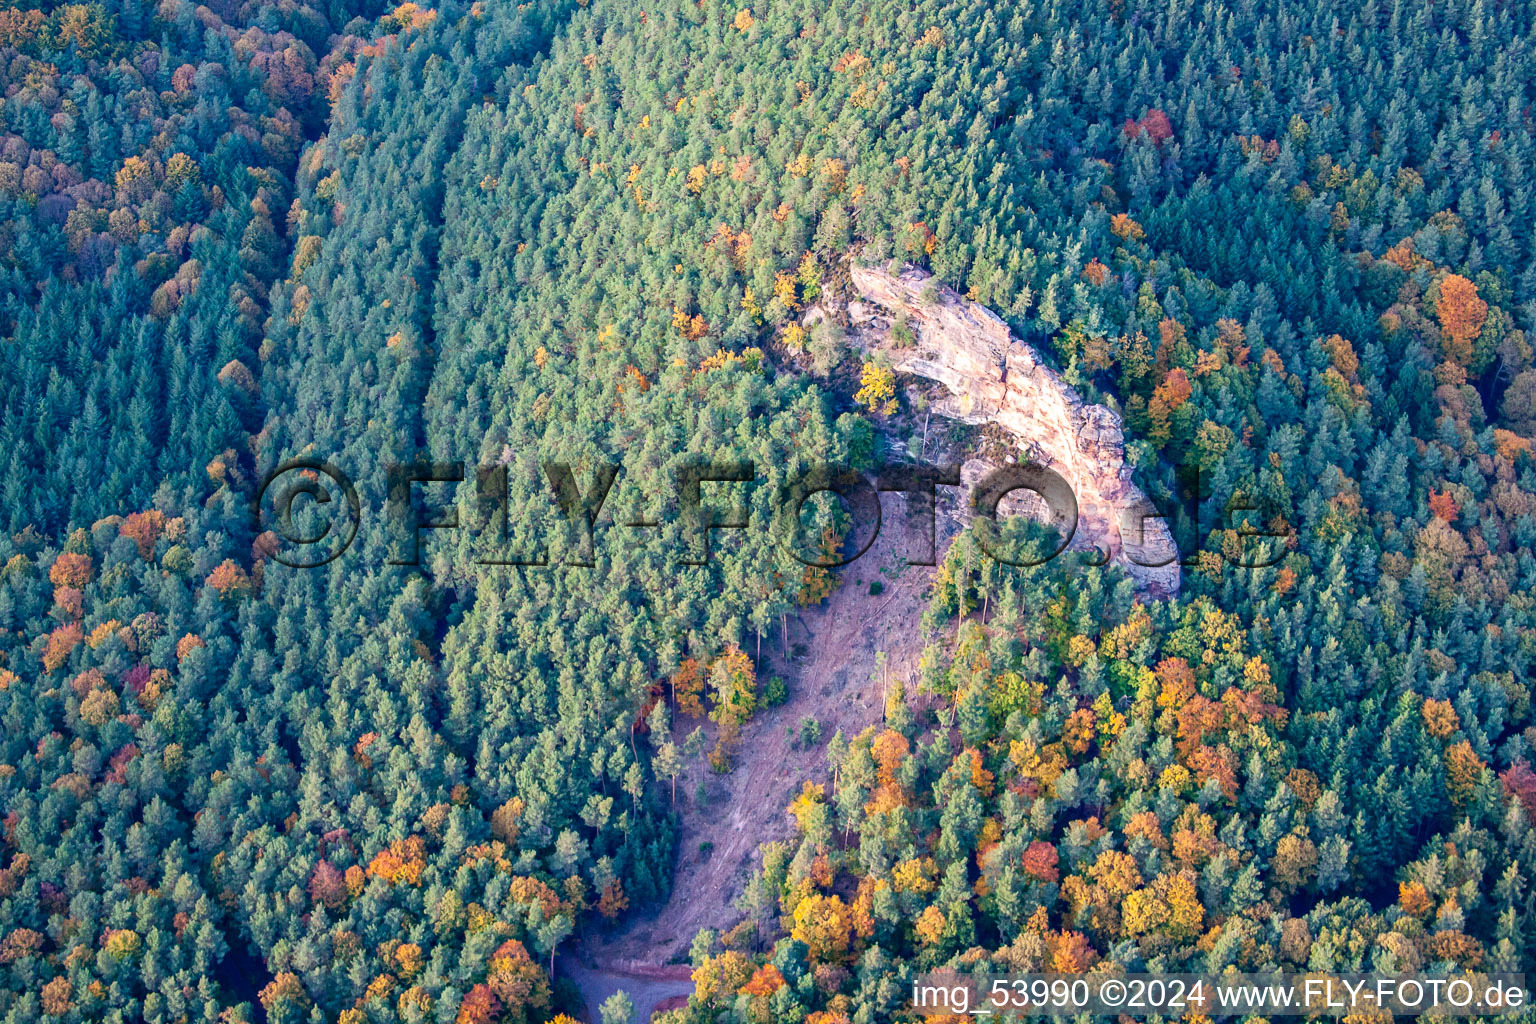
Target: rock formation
{"type": "Point", "coordinates": [994, 377]}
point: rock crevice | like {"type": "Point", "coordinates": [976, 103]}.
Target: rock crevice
{"type": "Point", "coordinates": [993, 377]}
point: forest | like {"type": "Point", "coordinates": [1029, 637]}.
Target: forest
{"type": "Point", "coordinates": [1290, 244]}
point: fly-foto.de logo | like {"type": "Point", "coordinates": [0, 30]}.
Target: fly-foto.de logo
{"type": "Point", "coordinates": [311, 512]}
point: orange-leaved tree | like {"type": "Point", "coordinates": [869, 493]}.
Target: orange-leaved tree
{"type": "Point", "coordinates": [1461, 313]}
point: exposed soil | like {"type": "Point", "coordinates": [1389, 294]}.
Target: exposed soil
{"type": "Point", "coordinates": [831, 670]}
{"type": "Point", "coordinates": [648, 988]}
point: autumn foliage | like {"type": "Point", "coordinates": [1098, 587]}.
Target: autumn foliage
{"type": "Point", "coordinates": [1461, 313]}
{"type": "Point", "coordinates": [144, 529]}
{"type": "Point", "coordinates": [401, 863]}
{"type": "Point", "coordinates": [1154, 125]}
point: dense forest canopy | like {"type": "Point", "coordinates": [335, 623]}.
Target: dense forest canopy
{"type": "Point", "coordinates": [1290, 244]}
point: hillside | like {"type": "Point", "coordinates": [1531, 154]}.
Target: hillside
{"type": "Point", "coordinates": [1268, 268]}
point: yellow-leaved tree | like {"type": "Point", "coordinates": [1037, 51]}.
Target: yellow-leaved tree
{"type": "Point", "coordinates": [877, 389]}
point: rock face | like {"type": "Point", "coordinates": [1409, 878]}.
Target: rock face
{"type": "Point", "coordinates": [994, 377]}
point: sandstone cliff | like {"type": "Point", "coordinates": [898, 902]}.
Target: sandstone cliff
{"type": "Point", "coordinates": [994, 377]}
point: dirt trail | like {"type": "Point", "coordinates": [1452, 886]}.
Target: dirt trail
{"type": "Point", "coordinates": [649, 988]}
{"type": "Point", "coordinates": [832, 680]}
